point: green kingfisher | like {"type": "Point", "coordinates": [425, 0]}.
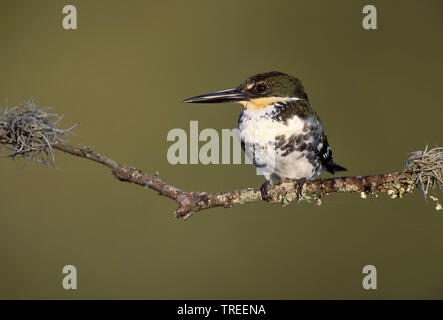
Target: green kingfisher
{"type": "Point", "coordinates": [278, 129]}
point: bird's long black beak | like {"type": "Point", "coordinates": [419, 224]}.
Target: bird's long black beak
{"type": "Point", "coordinates": [230, 95]}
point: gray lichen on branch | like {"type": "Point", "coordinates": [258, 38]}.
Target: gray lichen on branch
{"type": "Point", "coordinates": [33, 133]}
{"type": "Point", "coordinates": [427, 165]}
{"type": "Point", "coordinates": [30, 132]}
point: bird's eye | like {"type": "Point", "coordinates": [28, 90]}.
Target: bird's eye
{"type": "Point", "coordinates": [260, 88]}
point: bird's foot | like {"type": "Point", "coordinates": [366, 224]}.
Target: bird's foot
{"type": "Point", "coordinates": [264, 190]}
{"type": "Point", "coordinates": [299, 185]}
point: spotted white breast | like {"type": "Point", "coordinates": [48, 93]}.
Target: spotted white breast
{"type": "Point", "coordinates": [281, 149]}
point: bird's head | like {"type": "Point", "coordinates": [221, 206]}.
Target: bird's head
{"type": "Point", "coordinates": [258, 91]}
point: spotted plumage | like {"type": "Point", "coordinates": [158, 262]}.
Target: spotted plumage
{"type": "Point", "coordinates": [278, 129]}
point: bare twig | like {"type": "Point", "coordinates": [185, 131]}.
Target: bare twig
{"type": "Point", "coordinates": [30, 131]}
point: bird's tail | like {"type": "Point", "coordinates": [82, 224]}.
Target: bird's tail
{"type": "Point", "coordinates": [333, 167]}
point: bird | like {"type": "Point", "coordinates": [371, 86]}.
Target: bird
{"type": "Point", "coordinates": [278, 129]}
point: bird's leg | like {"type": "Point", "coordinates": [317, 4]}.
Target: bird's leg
{"type": "Point", "coordinates": [299, 185]}
{"type": "Point", "coordinates": [264, 189]}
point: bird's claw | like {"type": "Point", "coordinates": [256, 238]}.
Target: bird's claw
{"type": "Point", "coordinates": [264, 191]}
{"type": "Point", "coordinates": [299, 185]}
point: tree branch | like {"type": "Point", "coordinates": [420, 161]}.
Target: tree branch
{"type": "Point", "coordinates": [424, 169]}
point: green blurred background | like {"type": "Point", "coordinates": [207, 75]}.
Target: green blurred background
{"type": "Point", "coordinates": [123, 74]}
